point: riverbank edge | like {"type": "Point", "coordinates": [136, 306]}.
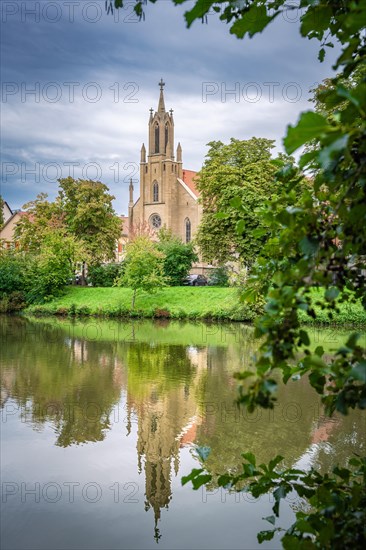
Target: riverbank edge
{"type": "Point", "coordinates": [178, 303]}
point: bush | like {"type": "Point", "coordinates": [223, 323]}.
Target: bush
{"type": "Point", "coordinates": [15, 301]}
{"type": "Point", "coordinates": [219, 277]}
{"type": "Point", "coordinates": [12, 272]}
{"type": "Point", "coordinates": [178, 258]}
{"type": "Point", "coordinates": [105, 275]}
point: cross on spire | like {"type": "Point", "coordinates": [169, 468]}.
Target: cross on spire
{"type": "Point", "coordinates": [161, 84]}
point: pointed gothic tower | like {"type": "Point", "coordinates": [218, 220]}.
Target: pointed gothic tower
{"type": "Point", "coordinates": [166, 198]}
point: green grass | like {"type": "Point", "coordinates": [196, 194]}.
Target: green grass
{"type": "Point", "coordinates": [171, 302]}
{"type": "Point", "coordinates": [180, 303]}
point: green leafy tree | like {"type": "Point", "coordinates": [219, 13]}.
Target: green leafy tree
{"type": "Point", "coordinates": [178, 257]}
{"type": "Point", "coordinates": [90, 217]}
{"type": "Point", "coordinates": [235, 182]}
{"type": "Point", "coordinates": [41, 216]}
{"type": "Point", "coordinates": [55, 265]}
{"type": "Point", "coordinates": [144, 267]}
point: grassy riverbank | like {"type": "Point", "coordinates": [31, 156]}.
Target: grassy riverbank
{"type": "Point", "coordinates": [170, 302]}
{"type": "Point", "coordinates": [177, 303]}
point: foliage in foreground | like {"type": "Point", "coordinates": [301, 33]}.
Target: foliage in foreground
{"type": "Point", "coordinates": [336, 517]}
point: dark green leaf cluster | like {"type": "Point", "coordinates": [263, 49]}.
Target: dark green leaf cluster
{"type": "Point", "coordinates": [178, 257]}
{"type": "Point", "coordinates": [105, 275]}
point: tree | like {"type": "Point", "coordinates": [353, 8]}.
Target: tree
{"type": "Point", "coordinates": [55, 264]}
{"type": "Point", "coordinates": [144, 267]}
{"type": "Point", "coordinates": [90, 217]}
{"type": "Point", "coordinates": [239, 174]}
{"type": "Point", "coordinates": [323, 241]}
{"type": "Point", "coordinates": [178, 257]}
{"type": "Point", "coordinates": [1, 211]}
{"type": "Point", "coordinates": [41, 216]}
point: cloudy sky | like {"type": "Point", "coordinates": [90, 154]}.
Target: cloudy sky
{"type": "Point", "coordinates": [77, 86]}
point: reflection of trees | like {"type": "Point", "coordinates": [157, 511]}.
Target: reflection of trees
{"type": "Point", "coordinates": [69, 382]}
{"type": "Point", "coordinates": [160, 380]}
{"type": "Point", "coordinates": [295, 428]}
{"type": "Point", "coordinates": [180, 394]}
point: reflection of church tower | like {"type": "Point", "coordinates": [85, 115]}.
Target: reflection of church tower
{"type": "Point", "coordinates": [164, 409]}
{"type": "Point", "coordinates": [168, 196]}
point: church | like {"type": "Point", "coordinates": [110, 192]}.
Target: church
{"type": "Point", "coordinates": [168, 195]}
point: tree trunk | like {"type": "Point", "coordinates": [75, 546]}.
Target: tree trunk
{"type": "Point", "coordinates": [134, 298]}
{"type": "Point", "coordinates": [83, 278]}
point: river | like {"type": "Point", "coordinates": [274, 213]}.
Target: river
{"type": "Point", "coordinates": [101, 419]}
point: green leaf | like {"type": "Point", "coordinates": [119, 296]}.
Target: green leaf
{"type": "Point", "coordinates": [359, 372]}
{"type": "Point", "coordinates": [304, 527]}
{"type": "Point", "coordinates": [249, 457]}
{"type": "Point", "coordinates": [310, 126]}
{"type": "Point", "coordinates": [319, 351]}
{"type": "Point", "coordinates": [200, 8]}
{"type": "Point", "coordinates": [240, 227]}
{"type": "Point", "coordinates": [328, 154]}
{"type": "Point", "coordinates": [304, 337]}
{"type": "Point", "coordinates": [271, 519]}
{"type": "Point", "coordinates": [309, 246]}
{"type": "Point", "coordinates": [236, 202]}
{"type": "Point", "coordinates": [316, 19]}
{"type": "Point", "coordinates": [252, 21]}
{"type": "Point", "coordinates": [265, 535]}
{"type": "Point", "coordinates": [273, 463]}
{"type": "Point", "coordinates": [198, 481]}
{"type": "Point", "coordinates": [194, 473]}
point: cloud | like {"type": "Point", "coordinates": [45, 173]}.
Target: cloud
{"type": "Point", "coordinates": [79, 92]}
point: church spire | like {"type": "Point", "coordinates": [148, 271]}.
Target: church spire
{"type": "Point", "coordinates": [161, 106]}
{"type": "Point", "coordinates": [143, 153]}
{"type": "Point", "coordinates": [131, 192]}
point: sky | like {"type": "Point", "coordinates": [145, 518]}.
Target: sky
{"type": "Point", "coordinates": [78, 83]}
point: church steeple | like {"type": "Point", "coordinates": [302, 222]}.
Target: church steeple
{"type": "Point", "coordinates": [161, 129]}
{"type": "Point", "coordinates": [161, 106]}
{"type": "Point", "coordinates": [143, 153]}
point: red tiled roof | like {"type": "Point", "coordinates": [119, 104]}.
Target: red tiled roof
{"type": "Point", "coordinates": [188, 177]}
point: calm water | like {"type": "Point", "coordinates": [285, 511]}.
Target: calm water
{"type": "Point", "coordinates": [100, 421]}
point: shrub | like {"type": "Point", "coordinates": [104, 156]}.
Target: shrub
{"type": "Point", "coordinates": [105, 275]}
{"type": "Point", "coordinates": [162, 313]}
{"type": "Point", "coordinates": [178, 257]}
{"type": "Point", "coordinates": [219, 276]}
{"type": "Point", "coordinates": [12, 272]}
{"type": "Point", "coordinates": [15, 301]}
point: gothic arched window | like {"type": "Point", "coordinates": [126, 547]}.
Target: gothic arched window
{"type": "Point", "coordinates": [188, 230]}
{"type": "Point", "coordinates": [166, 136]}
{"type": "Point", "coordinates": [155, 192]}
{"type": "Point", "coordinates": [157, 137]}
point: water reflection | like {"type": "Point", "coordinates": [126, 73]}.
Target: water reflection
{"type": "Point", "coordinates": [176, 385]}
